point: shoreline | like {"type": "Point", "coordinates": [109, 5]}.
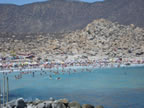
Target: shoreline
{"type": "Point", "coordinates": [109, 66]}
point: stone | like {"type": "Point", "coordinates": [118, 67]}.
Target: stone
{"type": "Point", "coordinates": [12, 103]}
{"type": "Point", "coordinates": [30, 106]}
{"type": "Point", "coordinates": [20, 103]}
{"type": "Point", "coordinates": [45, 104]}
{"type": "Point", "coordinates": [6, 106]}
{"type": "Point", "coordinates": [65, 101]}
{"type": "Point", "coordinates": [58, 105]}
{"type": "Point", "coordinates": [92, 53]}
{"type": "Point", "coordinates": [87, 106]}
{"type": "Point", "coordinates": [100, 106]}
{"type": "Point", "coordinates": [74, 105]}
{"type": "Point", "coordinates": [37, 101]}
{"type": "Point", "coordinates": [51, 99]}
{"type": "Point", "coordinates": [41, 105]}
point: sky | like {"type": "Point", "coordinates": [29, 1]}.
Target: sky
{"type": "Point", "coordinates": [21, 2]}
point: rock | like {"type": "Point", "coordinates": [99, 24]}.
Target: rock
{"type": "Point", "coordinates": [84, 56]}
{"type": "Point", "coordinates": [36, 102]}
{"type": "Point", "coordinates": [92, 53]}
{"type": "Point", "coordinates": [91, 37]}
{"type": "Point", "coordinates": [41, 105]}
{"type": "Point", "coordinates": [30, 106]}
{"type": "Point", "coordinates": [87, 106]}
{"type": "Point", "coordinates": [20, 103]}
{"type": "Point", "coordinates": [74, 105]}
{"type": "Point", "coordinates": [45, 104]}
{"type": "Point", "coordinates": [100, 106]}
{"type": "Point", "coordinates": [139, 53]}
{"type": "Point", "coordinates": [74, 51]}
{"type": "Point", "coordinates": [58, 105]}
{"type": "Point", "coordinates": [51, 99]}
{"type": "Point", "coordinates": [65, 101]}
{"type": "Point", "coordinates": [7, 106]}
{"type": "Point", "coordinates": [12, 103]}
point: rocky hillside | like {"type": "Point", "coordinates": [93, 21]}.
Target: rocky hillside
{"type": "Point", "coordinates": [101, 38]}
{"type": "Point", "coordinates": [63, 15]}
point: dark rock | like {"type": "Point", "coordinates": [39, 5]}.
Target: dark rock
{"type": "Point", "coordinates": [20, 103]}
{"type": "Point", "coordinates": [140, 53]}
{"type": "Point", "coordinates": [129, 51]}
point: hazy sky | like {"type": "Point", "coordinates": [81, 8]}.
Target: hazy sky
{"type": "Point", "coordinates": [20, 2]}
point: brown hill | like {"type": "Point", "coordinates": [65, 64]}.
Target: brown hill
{"type": "Point", "coordinates": [62, 15]}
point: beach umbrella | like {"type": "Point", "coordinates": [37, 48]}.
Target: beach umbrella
{"type": "Point", "coordinates": [62, 62]}
{"type": "Point", "coordinates": [34, 63]}
{"type": "Point", "coordinates": [26, 63]}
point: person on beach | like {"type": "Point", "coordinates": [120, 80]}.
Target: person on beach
{"type": "Point", "coordinates": [58, 78]}
{"type": "Point", "coordinates": [33, 74]}
{"type": "Point", "coordinates": [50, 77]}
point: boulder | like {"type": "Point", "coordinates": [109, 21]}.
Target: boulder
{"type": "Point", "coordinates": [92, 53]}
{"type": "Point", "coordinates": [100, 106]}
{"type": "Point", "coordinates": [36, 102]}
{"type": "Point", "coordinates": [51, 99]}
{"type": "Point", "coordinates": [12, 103]}
{"type": "Point", "coordinates": [87, 106]}
{"type": "Point", "coordinates": [45, 104]}
{"type": "Point", "coordinates": [41, 105]}
{"type": "Point", "coordinates": [74, 105]}
{"type": "Point", "coordinates": [58, 105]}
{"type": "Point", "coordinates": [6, 106]}
{"type": "Point", "coordinates": [20, 103]}
{"type": "Point", "coordinates": [65, 101]}
{"type": "Point", "coordinates": [30, 106]}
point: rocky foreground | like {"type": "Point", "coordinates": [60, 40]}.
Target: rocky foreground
{"type": "Point", "coordinates": [99, 39]}
{"type": "Point", "coordinates": [51, 103]}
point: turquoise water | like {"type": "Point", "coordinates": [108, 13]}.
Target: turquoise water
{"type": "Point", "coordinates": [113, 88]}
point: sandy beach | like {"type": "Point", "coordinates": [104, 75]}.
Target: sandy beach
{"type": "Point", "coordinates": [36, 66]}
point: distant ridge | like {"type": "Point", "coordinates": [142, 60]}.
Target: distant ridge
{"type": "Point", "coordinates": [62, 15]}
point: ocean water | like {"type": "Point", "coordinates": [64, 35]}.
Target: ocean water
{"type": "Point", "coordinates": [110, 87]}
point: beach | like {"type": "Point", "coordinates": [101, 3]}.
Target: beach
{"type": "Point", "coordinates": [30, 65]}
{"type": "Point", "coordinates": [88, 65]}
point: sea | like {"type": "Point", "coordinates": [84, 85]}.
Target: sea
{"type": "Point", "coordinates": [111, 87]}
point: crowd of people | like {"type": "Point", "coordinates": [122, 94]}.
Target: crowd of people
{"type": "Point", "coordinates": [25, 64]}
{"type": "Point", "coordinates": [30, 64]}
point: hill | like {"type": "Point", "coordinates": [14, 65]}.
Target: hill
{"type": "Point", "coordinates": [99, 39]}
{"type": "Point", "coordinates": [64, 16]}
